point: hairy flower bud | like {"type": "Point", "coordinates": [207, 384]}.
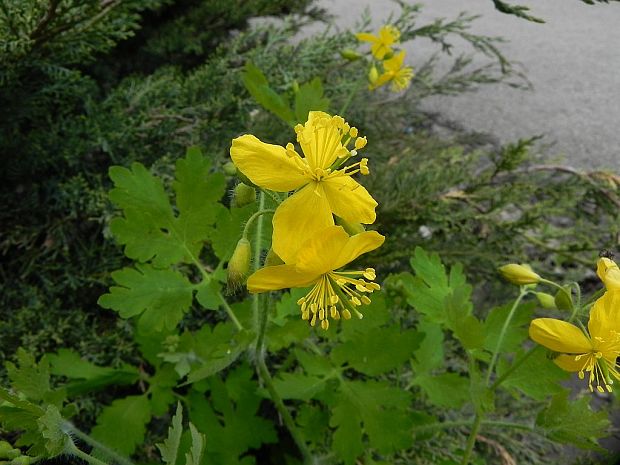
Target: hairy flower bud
{"type": "Point", "coordinates": [243, 195]}
{"type": "Point", "coordinates": [519, 274]}
{"type": "Point", "coordinates": [239, 264]}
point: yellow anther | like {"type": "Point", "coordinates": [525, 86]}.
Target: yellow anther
{"type": "Point", "coordinates": [346, 314]}
{"type": "Point", "coordinates": [313, 321]}
{"type": "Point", "coordinates": [364, 166]}
{"type": "Point", "coordinates": [301, 301]}
{"type": "Point", "coordinates": [360, 287]}
{"type": "Point", "coordinates": [353, 132]}
{"type": "Point", "coordinates": [322, 314]}
{"type": "Point", "coordinates": [365, 300]}
{"type": "Point", "coordinates": [334, 312]}
{"type": "Point", "coordinates": [325, 324]}
{"type": "Point", "coordinates": [599, 388]}
{"type": "Point", "coordinates": [369, 273]}
{"type": "Point", "coordinates": [360, 143]}
{"type": "Point", "coordinates": [355, 301]}
{"type": "Point", "coordinates": [342, 152]}
{"type": "Point", "coordinates": [305, 315]}
{"type": "Point", "coordinates": [333, 299]}
{"type": "Point", "coordinates": [345, 128]}
{"type": "Point", "coordinates": [314, 307]}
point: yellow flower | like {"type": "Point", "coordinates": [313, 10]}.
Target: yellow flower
{"type": "Point", "coordinates": [519, 274]}
{"type": "Point", "coordinates": [608, 271]}
{"type": "Point", "coordinates": [322, 186]}
{"type": "Point", "coordinates": [594, 353]}
{"type": "Point", "coordinates": [381, 44]}
{"type": "Point", "coordinates": [333, 293]}
{"type": "Point", "coordinates": [393, 71]}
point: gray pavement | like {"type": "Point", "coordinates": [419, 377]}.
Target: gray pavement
{"type": "Point", "coordinates": [573, 62]}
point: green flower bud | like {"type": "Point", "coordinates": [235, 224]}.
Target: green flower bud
{"type": "Point", "coordinates": [564, 301]}
{"type": "Point", "coordinates": [7, 451]}
{"type": "Point", "coordinates": [239, 264]}
{"type": "Point", "coordinates": [351, 228]}
{"type": "Point", "coordinates": [546, 300]}
{"type": "Point", "coordinates": [519, 274]}
{"type": "Point", "coordinates": [243, 195]}
{"type": "Point", "coordinates": [295, 86]}
{"type": "Point", "coordinates": [350, 54]}
{"type": "Point", "coordinates": [229, 168]}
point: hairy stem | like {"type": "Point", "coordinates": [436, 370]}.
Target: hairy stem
{"type": "Point", "coordinates": [68, 427]}
{"type": "Point", "coordinates": [471, 440]}
{"type": "Point", "coordinates": [253, 218]}
{"type": "Point", "coordinates": [72, 449]}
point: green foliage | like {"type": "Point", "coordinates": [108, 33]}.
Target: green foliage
{"type": "Point", "coordinates": [573, 422]}
{"type": "Point", "coordinates": [122, 425]}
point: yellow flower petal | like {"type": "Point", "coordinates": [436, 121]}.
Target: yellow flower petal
{"type": "Point", "coordinates": [319, 253]}
{"type": "Point", "coordinates": [266, 165]}
{"type": "Point", "coordinates": [568, 362]}
{"type": "Point", "coordinates": [350, 200]}
{"type": "Point", "coordinates": [559, 336]}
{"type": "Point", "coordinates": [366, 37]}
{"type": "Point", "coordinates": [605, 316]}
{"type": "Point", "coordinates": [273, 278]}
{"type": "Point", "coordinates": [608, 271]}
{"type": "Point", "coordinates": [395, 63]}
{"type": "Point", "coordinates": [299, 218]}
{"type": "Point", "coordinates": [356, 246]}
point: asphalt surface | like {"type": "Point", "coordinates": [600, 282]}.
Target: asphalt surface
{"type": "Point", "coordinates": [573, 62]}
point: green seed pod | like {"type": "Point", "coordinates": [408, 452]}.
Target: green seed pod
{"type": "Point", "coordinates": [546, 300]}
{"type": "Point", "coordinates": [563, 301]}
{"type": "Point", "coordinates": [239, 264]}
{"type": "Point", "coordinates": [243, 195]}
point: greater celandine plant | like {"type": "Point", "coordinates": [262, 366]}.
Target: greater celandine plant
{"type": "Point", "coordinates": [349, 386]}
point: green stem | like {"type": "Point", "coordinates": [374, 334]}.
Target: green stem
{"type": "Point", "coordinates": [285, 414]}
{"type": "Point", "coordinates": [72, 449]}
{"type": "Point", "coordinates": [502, 334]}
{"type": "Point", "coordinates": [230, 312]}
{"type": "Point", "coordinates": [253, 218]}
{"type": "Point", "coordinates": [513, 367]}
{"type": "Point", "coordinates": [471, 440]}
{"type": "Point", "coordinates": [68, 427]}
{"type": "Point", "coordinates": [460, 423]}
{"type": "Point", "coordinates": [256, 263]}
{"type": "Point", "coordinates": [349, 99]}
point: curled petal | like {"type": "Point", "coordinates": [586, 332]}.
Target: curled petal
{"type": "Point", "coordinates": [266, 165]}
{"type": "Point", "coordinates": [559, 336]}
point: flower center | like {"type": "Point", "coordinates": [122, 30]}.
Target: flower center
{"type": "Point", "coordinates": [601, 362]}
{"type": "Point", "coordinates": [338, 293]}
